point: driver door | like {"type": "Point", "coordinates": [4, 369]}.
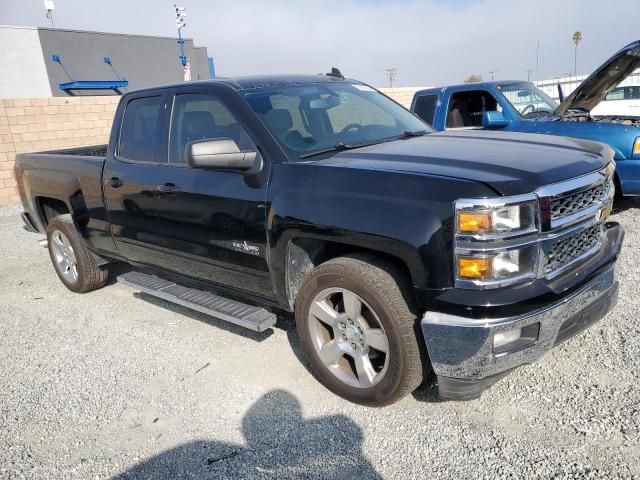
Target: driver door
{"type": "Point", "coordinates": [212, 222]}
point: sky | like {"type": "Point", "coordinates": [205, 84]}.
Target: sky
{"type": "Point", "coordinates": [429, 42]}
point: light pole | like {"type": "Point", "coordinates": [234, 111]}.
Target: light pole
{"type": "Point", "coordinates": [48, 4]}
{"type": "Point", "coordinates": [493, 74]}
{"type": "Point", "coordinates": [181, 23]}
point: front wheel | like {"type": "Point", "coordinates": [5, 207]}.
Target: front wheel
{"type": "Point", "coordinates": [71, 259]}
{"type": "Point", "coordinates": [357, 330]}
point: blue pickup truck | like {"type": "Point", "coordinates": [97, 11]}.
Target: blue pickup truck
{"type": "Point", "coordinates": [520, 106]}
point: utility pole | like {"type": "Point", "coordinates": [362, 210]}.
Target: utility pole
{"type": "Point", "coordinates": [538, 62]}
{"type": "Point", "coordinates": [181, 23]}
{"type": "Point", "coordinates": [529, 72]}
{"type": "Point", "coordinates": [493, 74]}
{"type": "Point", "coordinates": [391, 73]}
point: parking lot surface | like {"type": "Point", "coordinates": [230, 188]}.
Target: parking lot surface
{"type": "Point", "coordinates": [115, 384]}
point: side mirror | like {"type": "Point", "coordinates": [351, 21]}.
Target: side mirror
{"type": "Point", "coordinates": [494, 120]}
{"type": "Point", "coordinates": [222, 154]}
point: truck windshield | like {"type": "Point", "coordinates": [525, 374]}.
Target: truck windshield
{"type": "Point", "coordinates": [323, 118]}
{"type": "Point", "coordinates": [528, 100]}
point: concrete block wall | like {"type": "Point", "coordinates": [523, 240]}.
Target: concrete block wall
{"type": "Point", "coordinates": [37, 124]}
{"type": "Point", "coordinates": [402, 95]}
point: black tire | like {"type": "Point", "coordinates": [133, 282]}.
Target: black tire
{"type": "Point", "coordinates": [386, 291]}
{"type": "Point", "coordinates": [89, 275]}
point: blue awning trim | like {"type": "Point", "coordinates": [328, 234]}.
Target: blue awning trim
{"type": "Point", "coordinates": [94, 85]}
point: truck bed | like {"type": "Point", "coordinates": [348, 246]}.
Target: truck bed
{"type": "Point", "coordinates": [59, 179]}
{"type": "Point", "coordinates": [90, 151]}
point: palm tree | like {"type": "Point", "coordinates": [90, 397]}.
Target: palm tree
{"type": "Point", "coordinates": [577, 38]}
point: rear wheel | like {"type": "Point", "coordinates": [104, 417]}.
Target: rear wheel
{"type": "Point", "coordinates": [357, 330]}
{"type": "Point", "coordinates": [71, 259]}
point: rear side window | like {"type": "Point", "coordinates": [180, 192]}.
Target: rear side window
{"type": "Point", "coordinates": [426, 107]}
{"type": "Point", "coordinates": [139, 128]}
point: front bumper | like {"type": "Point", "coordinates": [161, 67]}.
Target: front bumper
{"type": "Point", "coordinates": [461, 349]}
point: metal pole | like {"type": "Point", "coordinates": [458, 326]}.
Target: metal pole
{"type": "Point", "coordinates": [183, 58]}
{"type": "Point", "coordinates": [538, 62]}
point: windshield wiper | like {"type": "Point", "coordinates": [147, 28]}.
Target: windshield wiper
{"type": "Point", "coordinates": [345, 146]}
{"type": "Point", "coordinates": [337, 148]}
{"type": "Point", "coordinates": [410, 134]}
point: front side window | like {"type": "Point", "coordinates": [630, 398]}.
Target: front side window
{"type": "Point", "coordinates": [139, 129]}
{"type": "Point", "coordinates": [313, 117]}
{"type": "Point", "coordinates": [199, 117]}
{"type": "Point", "coordinates": [527, 99]}
{"type": "Point", "coordinates": [467, 108]}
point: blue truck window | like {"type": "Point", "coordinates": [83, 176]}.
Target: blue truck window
{"type": "Point", "coordinates": [139, 127]}
{"type": "Point", "coordinates": [466, 108]}
{"type": "Point", "coordinates": [426, 107]}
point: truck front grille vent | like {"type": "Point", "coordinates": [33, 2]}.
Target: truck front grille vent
{"type": "Point", "coordinates": [565, 251]}
{"type": "Point", "coordinates": [575, 202]}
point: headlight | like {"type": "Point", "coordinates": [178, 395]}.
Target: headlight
{"type": "Point", "coordinates": [495, 220]}
{"type": "Point", "coordinates": [487, 236]}
{"type": "Point", "coordinates": [497, 268]}
{"type": "Point", "coordinates": [636, 148]}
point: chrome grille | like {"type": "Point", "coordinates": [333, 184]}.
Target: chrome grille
{"type": "Point", "coordinates": [575, 202]}
{"type": "Point", "coordinates": [564, 252]}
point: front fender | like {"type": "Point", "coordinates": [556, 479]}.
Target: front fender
{"type": "Point", "coordinates": [403, 215]}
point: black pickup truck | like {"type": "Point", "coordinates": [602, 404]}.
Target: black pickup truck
{"type": "Point", "coordinates": [402, 252]}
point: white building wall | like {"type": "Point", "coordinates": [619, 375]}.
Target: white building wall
{"type": "Point", "coordinates": [569, 84]}
{"type": "Point", "coordinates": [23, 69]}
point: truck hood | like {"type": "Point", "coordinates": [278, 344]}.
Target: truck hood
{"type": "Point", "coordinates": [604, 79]}
{"type": "Point", "coordinates": [509, 163]}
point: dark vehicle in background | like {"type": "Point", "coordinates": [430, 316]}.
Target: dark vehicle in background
{"type": "Point", "coordinates": [401, 251]}
{"type": "Point", "coordinates": [518, 106]}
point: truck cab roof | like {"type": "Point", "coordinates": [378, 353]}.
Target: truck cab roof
{"type": "Point", "coordinates": [251, 82]}
{"type": "Point", "coordinates": [466, 86]}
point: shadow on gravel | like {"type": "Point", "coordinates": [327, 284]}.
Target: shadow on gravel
{"type": "Point", "coordinates": [280, 443]}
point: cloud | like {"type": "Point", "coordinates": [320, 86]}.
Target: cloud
{"type": "Point", "coordinates": [430, 42]}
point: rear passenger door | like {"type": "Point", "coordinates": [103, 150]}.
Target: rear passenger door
{"type": "Point", "coordinates": [131, 173]}
{"type": "Point", "coordinates": [212, 222]}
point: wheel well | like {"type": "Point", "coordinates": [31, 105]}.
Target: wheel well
{"type": "Point", "coordinates": [618, 185]}
{"type": "Point", "coordinates": [304, 254]}
{"type": "Point", "coordinates": [50, 208]}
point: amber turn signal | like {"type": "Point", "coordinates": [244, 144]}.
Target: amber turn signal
{"type": "Point", "coordinates": [470, 222]}
{"type": "Point", "coordinates": [474, 268]}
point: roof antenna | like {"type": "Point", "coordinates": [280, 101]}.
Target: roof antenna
{"type": "Point", "coordinates": [336, 73]}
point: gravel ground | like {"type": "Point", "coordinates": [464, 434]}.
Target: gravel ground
{"type": "Point", "coordinates": [114, 384]}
